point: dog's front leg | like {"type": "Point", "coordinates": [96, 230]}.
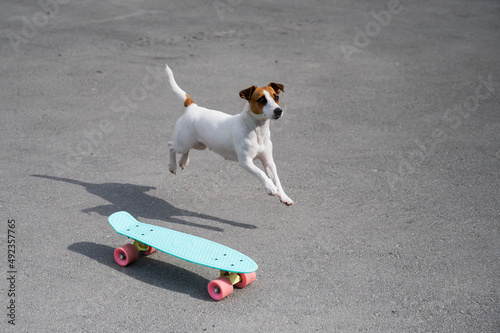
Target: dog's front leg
{"type": "Point", "coordinates": [272, 172]}
{"type": "Point", "coordinates": [247, 163]}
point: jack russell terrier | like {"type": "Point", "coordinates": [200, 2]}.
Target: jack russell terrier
{"type": "Point", "coordinates": [242, 138]}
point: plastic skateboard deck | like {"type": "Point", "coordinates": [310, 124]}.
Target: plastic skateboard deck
{"type": "Point", "coordinates": [235, 267]}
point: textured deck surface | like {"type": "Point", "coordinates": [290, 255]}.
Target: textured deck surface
{"type": "Point", "coordinates": [188, 247]}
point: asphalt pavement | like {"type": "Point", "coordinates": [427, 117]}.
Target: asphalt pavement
{"type": "Point", "coordinates": [389, 146]}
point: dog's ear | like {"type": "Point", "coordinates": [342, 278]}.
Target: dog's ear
{"type": "Point", "coordinates": [278, 87]}
{"type": "Point", "coordinates": [247, 93]}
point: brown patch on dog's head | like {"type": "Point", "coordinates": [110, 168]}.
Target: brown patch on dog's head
{"type": "Point", "coordinates": [257, 99]}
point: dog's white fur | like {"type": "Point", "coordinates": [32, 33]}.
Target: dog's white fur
{"type": "Point", "coordinates": [242, 138]}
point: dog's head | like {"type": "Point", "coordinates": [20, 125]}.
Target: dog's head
{"type": "Point", "coordinates": [264, 101]}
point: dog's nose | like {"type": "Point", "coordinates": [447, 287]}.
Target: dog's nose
{"type": "Point", "coordinates": [278, 112]}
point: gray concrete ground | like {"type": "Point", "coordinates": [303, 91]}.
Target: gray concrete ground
{"type": "Point", "coordinates": [389, 146]}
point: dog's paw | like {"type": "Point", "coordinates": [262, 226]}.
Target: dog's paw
{"type": "Point", "coordinates": [272, 190]}
{"type": "Point", "coordinates": [172, 168]}
{"type": "Point", "coordinates": [184, 162]}
{"type": "Point", "coordinates": [285, 199]}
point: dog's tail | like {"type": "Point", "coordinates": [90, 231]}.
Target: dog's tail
{"type": "Point", "coordinates": [176, 89]}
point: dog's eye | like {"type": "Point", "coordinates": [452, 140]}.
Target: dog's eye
{"type": "Point", "coordinates": [262, 100]}
{"type": "Point", "coordinates": [276, 98]}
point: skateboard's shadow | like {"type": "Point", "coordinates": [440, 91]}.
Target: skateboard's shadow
{"type": "Point", "coordinates": [133, 199]}
{"type": "Point", "coordinates": [154, 272]}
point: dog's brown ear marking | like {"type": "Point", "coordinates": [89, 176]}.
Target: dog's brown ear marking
{"type": "Point", "coordinates": [247, 93]}
{"type": "Point", "coordinates": [278, 87]}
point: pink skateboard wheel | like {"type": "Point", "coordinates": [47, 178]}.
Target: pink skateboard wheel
{"type": "Point", "coordinates": [246, 279]}
{"type": "Point", "coordinates": [220, 288]}
{"type": "Point", "coordinates": [126, 254]}
{"type": "Point", "coordinates": [149, 251]}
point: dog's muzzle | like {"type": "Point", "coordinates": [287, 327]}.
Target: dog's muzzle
{"type": "Point", "coordinates": [278, 112]}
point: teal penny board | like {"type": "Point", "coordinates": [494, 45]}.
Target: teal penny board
{"type": "Point", "coordinates": [184, 246]}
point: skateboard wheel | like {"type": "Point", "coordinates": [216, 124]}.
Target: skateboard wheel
{"type": "Point", "coordinates": [126, 254]}
{"type": "Point", "coordinates": [246, 279]}
{"type": "Point", "coordinates": [220, 288]}
{"type": "Point", "coordinates": [149, 251]}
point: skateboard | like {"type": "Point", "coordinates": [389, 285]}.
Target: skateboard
{"type": "Point", "coordinates": [236, 269]}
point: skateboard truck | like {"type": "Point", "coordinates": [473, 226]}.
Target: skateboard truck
{"type": "Point", "coordinates": [143, 248]}
{"type": "Point", "coordinates": [140, 246]}
{"type": "Point", "coordinates": [233, 277]}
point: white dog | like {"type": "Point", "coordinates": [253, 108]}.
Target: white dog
{"type": "Point", "coordinates": [243, 137]}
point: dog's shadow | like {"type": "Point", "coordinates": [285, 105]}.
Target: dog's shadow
{"type": "Point", "coordinates": [133, 199]}
{"type": "Point", "coordinates": [148, 270]}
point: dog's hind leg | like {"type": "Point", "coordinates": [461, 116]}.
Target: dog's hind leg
{"type": "Point", "coordinates": [172, 165]}
{"type": "Point", "coordinates": [184, 161]}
